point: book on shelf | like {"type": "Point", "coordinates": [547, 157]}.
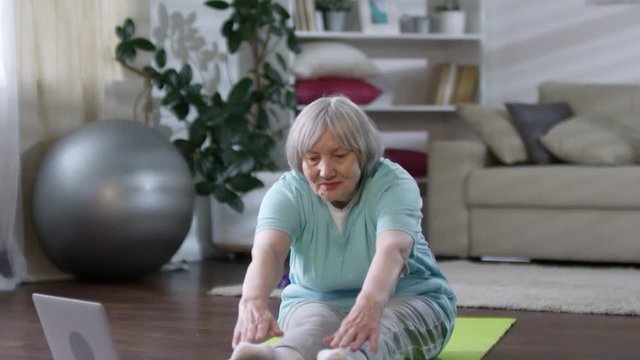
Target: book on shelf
{"type": "Point", "coordinates": [443, 76]}
{"type": "Point", "coordinates": [453, 83]}
{"type": "Point", "coordinates": [466, 84]}
{"type": "Point", "coordinates": [300, 13]}
{"type": "Point", "coordinates": [310, 13]}
{"type": "Point", "coordinates": [450, 84]}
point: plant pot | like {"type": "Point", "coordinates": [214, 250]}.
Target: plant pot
{"type": "Point", "coordinates": [232, 231]}
{"type": "Point", "coordinates": [450, 22]}
{"type": "Point", "coordinates": [335, 20]}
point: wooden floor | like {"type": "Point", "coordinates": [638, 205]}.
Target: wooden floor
{"type": "Point", "coordinates": [169, 316]}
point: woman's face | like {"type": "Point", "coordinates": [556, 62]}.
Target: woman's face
{"type": "Point", "coordinates": [332, 171]}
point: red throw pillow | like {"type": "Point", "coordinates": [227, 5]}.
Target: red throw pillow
{"type": "Point", "coordinates": [415, 162]}
{"type": "Point", "coordinates": [359, 91]}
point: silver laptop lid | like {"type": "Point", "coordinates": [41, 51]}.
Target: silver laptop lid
{"type": "Point", "coordinates": [75, 329]}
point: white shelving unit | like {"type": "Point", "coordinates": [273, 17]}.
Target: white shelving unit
{"type": "Point", "coordinates": [354, 35]}
{"type": "Point", "coordinates": [405, 108]}
{"type": "Point", "coordinates": [411, 88]}
{"type": "Point", "coordinates": [408, 60]}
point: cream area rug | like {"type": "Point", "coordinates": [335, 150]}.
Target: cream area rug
{"type": "Point", "coordinates": [540, 287]}
{"type": "Point", "coordinates": [536, 287]}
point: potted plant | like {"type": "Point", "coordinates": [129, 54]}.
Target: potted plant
{"type": "Point", "coordinates": [229, 136]}
{"type": "Point", "coordinates": [334, 13]}
{"type": "Point", "coordinates": [449, 18]}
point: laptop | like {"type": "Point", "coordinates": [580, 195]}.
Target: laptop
{"type": "Point", "coordinates": [75, 329]}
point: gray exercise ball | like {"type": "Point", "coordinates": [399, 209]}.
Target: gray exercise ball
{"type": "Point", "coordinates": [113, 199]}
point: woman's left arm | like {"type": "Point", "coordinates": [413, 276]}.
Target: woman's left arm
{"type": "Point", "coordinates": [363, 322]}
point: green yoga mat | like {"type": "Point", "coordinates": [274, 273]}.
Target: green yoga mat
{"type": "Point", "coordinates": [472, 337]}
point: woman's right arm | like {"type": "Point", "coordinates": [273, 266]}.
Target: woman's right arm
{"type": "Point", "coordinates": [268, 254]}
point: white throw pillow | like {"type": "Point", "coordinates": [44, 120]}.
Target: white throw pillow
{"type": "Point", "coordinates": [329, 58]}
{"type": "Point", "coordinates": [582, 141]}
{"type": "Point", "coordinates": [495, 129]}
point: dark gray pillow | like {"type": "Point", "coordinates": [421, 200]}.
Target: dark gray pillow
{"type": "Point", "coordinates": [534, 120]}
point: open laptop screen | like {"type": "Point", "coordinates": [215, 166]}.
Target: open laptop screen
{"type": "Point", "coordinates": [75, 329]}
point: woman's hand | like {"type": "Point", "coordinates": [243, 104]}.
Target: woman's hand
{"type": "Point", "coordinates": [255, 323]}
{"type": "Point", "coordinates": [363, 322]}
{"type": "Point", "coordinates": [361, 325]}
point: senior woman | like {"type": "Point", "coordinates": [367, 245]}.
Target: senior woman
{"type": "Point", "coordinates": [364, 284]}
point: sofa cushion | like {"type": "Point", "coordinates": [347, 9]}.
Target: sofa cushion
{"type": "Point", "coordinates": [613, 102]}
{"type": "Point", "coordinates": [332, 58]}
{"type": "Point", "coordinates": [580, 140]}
{"type": "Point", "coordinates": [534, 120]}
{"type": "Point", "coordinates": [357, 90]}
{"type": "Point", "coordinates": [553, 186]}
{"type": "Point", "coordinates": [601, 235]}
{"type": "Point", "coordinates": [415, 162]}
{"type": "Point", "coordinates": [496, 131]}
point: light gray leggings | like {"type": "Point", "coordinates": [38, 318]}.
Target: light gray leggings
{"type": "Point", "coordinates": [411, 329]}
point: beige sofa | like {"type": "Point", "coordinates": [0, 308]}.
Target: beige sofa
{"type": "Point", "coordinates": [568, 212]}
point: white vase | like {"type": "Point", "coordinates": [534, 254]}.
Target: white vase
{"type": "Point", "coordinates": [233, 231]}
{"type": "Point", "coordinates": [335, 20]}
{"type": "Point", "coordinates": [450, 22]}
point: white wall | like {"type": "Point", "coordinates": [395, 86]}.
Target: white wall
{"type": "Point", "coordinates": [530, 41]}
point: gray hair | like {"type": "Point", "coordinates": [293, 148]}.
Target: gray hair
{"type": "Point", "coordinates": [347, 122]}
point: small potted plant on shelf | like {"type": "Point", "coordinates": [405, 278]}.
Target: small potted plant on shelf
{"type": "Point", "coordinates": [449, 18]}
{"type": "Point", "coordinates": [334, 13]}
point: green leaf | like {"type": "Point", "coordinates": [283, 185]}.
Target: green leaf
{"type": "Point", "coordinates": [217, 4]}
{"type": "Point", "coordinates": [194, 96]}
{"type": "Point", "coordinates": [198, 133]}
{"type": "Point", "coordinates": [234, 40]}
{"type": "Point", "coordinates": [149, 70]}
{"type": "Point", "coordinates": [161, 58]}
{"type": "Point", "coordinates": [171, 77]}
{"type": "Point", "coordinates": [244, 183]}
{"type": "Point", "coordinates": [214, 116]}
{"type": "Point", "coordinates": [186, 75]}
{"type": "Point", "coordinates": [257, 96]}
{"type": "Point", "coordinates": [271, 74]}
{"type": "Point", "coordinates": [125, 52]}
{"type": "Point", "coordinates": [120, 32]}
{"type": "Point", "coordinates": [247, 30]}
{"type": "Point", "coordinates": [263, 120]}
{"type": "Point", "coordinates": [172, 97]}
{"type": "Point", "coordinates": [236, 204]}
{"type": "Point", "coordinates": [195, 88]}
{"type": "Point", "coordinates": [280, 10]}
{"type": "Point", "coordinates": [205, 187]}
{"type": "Point", "coordinates": [181, 109]}
{"type": "Point", "coordinates": [207, 166]}
{"type": "Point", "coordinates": [275, 96]}
{"type": "Point", "coordinates": [129, 29]}
{"type": "Point", "coordinates": [225, 195]}
{"type": "Point", "coordinates": [227, 28]}
{"type": "Point", "coordinates": [290, 100]}
{"type": "Point", "coordinates": [240, 92]}
{"type": "Point", "coordinates": [281, 61]}
{"type": "Point", "coordinates": [143, 44]}
{"type": "Point", "coordinates": [245, 4]}
{"type": "Point", "coordinates": [292, 42]}
{"type": "Point", "coordinates": [242, 163]}
{"type": "Point", "coordinates": [216, 100]}
{"type": "Point", "coordinates": [159, 80]}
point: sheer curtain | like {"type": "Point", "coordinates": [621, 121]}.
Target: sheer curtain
{"type": "Point", "coordinates": [12, 262]}
{"type": "Point", "coordinates": [67, 76]}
